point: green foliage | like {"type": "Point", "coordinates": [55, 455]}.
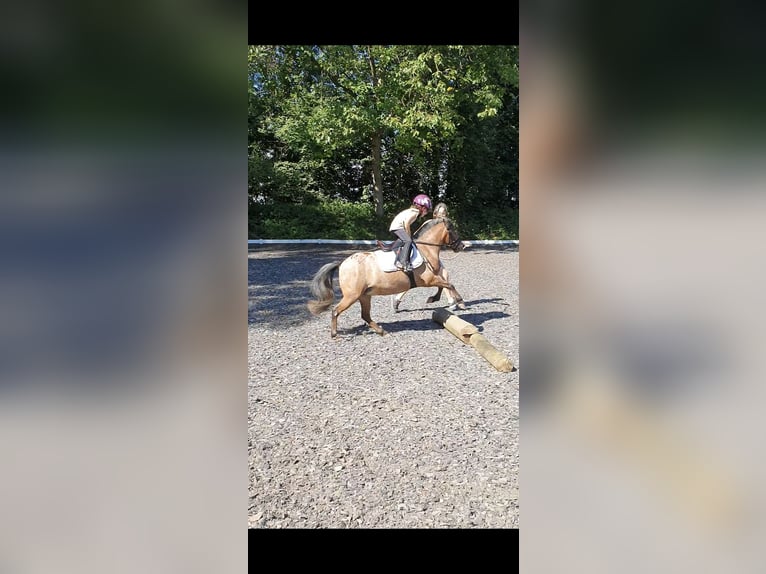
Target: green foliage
{"type": "Point", "coordinates": [339, 219]}
{"type": "Point", "coordinates": [446, 118]}
{"type": "Point", "coordinates": [332, 219]}
{"type": "Point", "coordinates": [490, 224]}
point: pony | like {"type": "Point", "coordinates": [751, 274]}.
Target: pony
{"type": "Point", "coordinates": [360, 276]}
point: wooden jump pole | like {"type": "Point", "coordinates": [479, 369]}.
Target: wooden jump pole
{"type": "Point", "coordinates": [469, 334]}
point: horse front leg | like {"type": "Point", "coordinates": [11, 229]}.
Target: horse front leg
{"type": "Point", "coordinates": [438, 295]}
{"type": "Point", "coordinates": [455, 300]}
{"type": "Point", "coordinates": [397, 299]}
{"type": "Point", "coordinates": [435, 297]}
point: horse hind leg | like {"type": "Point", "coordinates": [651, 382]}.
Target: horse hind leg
{"type": "Point", "coordinates": [396, 299]}
{"type": "Point", "coordinates": [344, 304]}
{"type": "Point", "coordinates": [366, 302]}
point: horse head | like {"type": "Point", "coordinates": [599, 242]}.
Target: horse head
{"type": "Point", "coordinates": [440, 231]}
{"type": "Point", "coordinates": [453, 239]}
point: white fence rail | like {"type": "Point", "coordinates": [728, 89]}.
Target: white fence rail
{"type": "Point", "coordinates": [366, 241]}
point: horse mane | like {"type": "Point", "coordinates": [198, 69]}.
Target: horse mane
{"type": "Point", "coordinates": [430, 223]}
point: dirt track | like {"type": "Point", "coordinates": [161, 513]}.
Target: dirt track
{"type": "Point", "coordinates": [411, 430]}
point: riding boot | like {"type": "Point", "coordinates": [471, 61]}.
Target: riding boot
{"type": "Point", "coordinates": [405, 256]}
{"type": "Point", "coordinates": [403, 261]}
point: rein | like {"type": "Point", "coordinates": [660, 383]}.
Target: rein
{"type": "Point", "coordinates": [434, 244]}
{"type": "Point", "coordinates": [454, 256]}
{"type": "Point", "coordinates": [452, 245]}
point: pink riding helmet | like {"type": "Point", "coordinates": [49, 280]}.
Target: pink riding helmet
{"type": "Point", "coordinates": [422, 200]}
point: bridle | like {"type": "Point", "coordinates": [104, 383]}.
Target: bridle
{"type": "Point", "coordinates": [454, 244]}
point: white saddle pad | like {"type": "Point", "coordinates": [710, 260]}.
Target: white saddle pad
{"type": "Point", "coordinates": [387, 259]}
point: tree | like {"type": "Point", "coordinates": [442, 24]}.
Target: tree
{"type": "Point", "coordinates": [402, 102]}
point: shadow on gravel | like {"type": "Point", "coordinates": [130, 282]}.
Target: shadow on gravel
{"type": "Point", "coordinates": [410, 325]}
{"type": "Point", "coordinates": [477, 319]}
{"type": "Point", "coordinates": [480, 301]}
{"type": "Point", "coordinates": [278, 305]}
{"type": "Point", "coordinates": [278, 283]}
{"type": "Point", "coordinates": [429, 324]}
{"type": "Point", "coordinates": [443, 303]}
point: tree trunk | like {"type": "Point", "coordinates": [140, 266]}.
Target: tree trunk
{"type": "Point", "coordinates": [377, 180]}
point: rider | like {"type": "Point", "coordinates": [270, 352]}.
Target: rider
{"type": "Point", "coordinates": [400, 226]}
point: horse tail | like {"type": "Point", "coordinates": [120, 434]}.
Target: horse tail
{"type": "Point", "coordinates": [321, 288]}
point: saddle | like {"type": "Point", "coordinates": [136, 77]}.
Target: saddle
{"type": "Point", "coordinates": [386, 258]}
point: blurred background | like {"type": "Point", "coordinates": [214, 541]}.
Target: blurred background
{"type": "Point", "coordinates": [123, 183]}
{"type": "Point", "coordinates": [642, 219]}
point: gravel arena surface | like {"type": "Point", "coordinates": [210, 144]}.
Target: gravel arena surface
{"type": "Point", "coordinates": [413, 429]}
